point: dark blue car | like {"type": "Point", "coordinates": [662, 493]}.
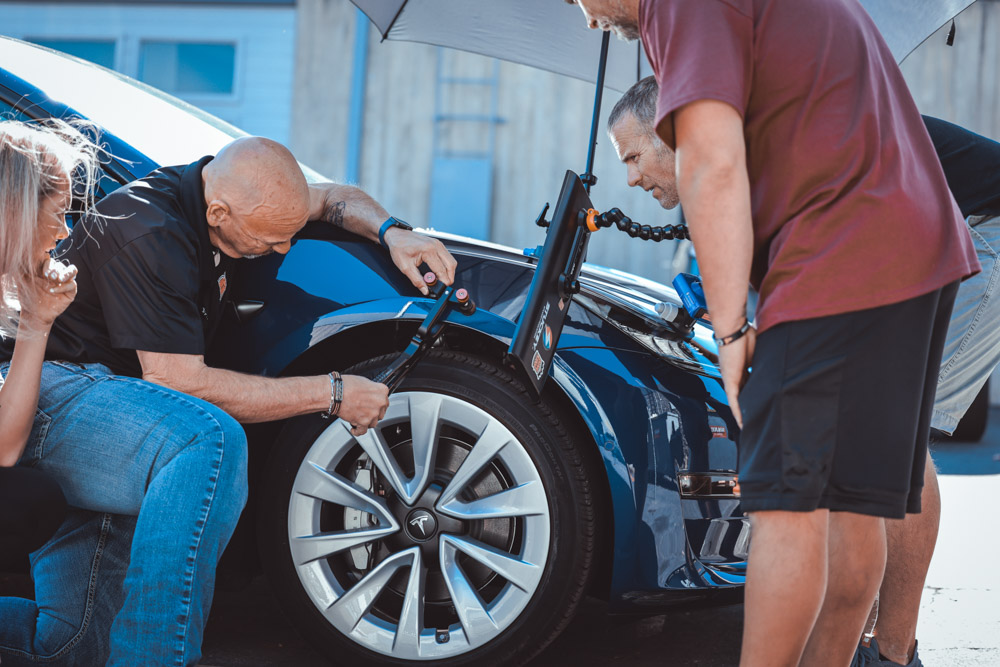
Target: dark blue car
{"type": "Point", "coordinates": [469, 525]}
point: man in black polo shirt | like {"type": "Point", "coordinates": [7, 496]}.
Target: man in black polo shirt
{"type": "Point", "coordinates": [132, 421]}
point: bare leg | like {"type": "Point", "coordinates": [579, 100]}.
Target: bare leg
{"type": "Point", "coordinates": [910, 547]}
{"type": "Point", "coordinates": [786, 578]}
{"type": "Point", "coordinates": [856, 562]}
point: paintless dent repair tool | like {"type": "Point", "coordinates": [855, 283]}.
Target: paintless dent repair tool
{"type": "Point", "coordinates": [446, 297]}
{"type": "Point", "coordinates": [557, 275]}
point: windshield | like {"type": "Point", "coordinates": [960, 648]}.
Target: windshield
{"type": "Point", "coordinates": [167, 130]}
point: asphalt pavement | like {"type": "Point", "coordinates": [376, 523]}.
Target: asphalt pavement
{"type": "Point", "coordinates": [959, 624]}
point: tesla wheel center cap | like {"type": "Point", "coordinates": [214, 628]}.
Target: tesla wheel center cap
{"type": "Point", "coordinates": [421, 525]}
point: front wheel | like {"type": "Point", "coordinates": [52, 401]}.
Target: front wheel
{"type": "Point", "coordinates": [460, 530]}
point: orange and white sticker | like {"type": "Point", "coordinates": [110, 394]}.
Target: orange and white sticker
{"type": "Point", "coordinates": [538, 365]}
{"type": "Point", "coordinates": [222, 286]}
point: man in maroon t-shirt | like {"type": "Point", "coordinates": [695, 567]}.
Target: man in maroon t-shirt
{"type": "Point", "coordinates": [804, 167]}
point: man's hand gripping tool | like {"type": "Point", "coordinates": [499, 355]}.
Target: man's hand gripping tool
{"type": "Point", "coordinates": [446, 297]}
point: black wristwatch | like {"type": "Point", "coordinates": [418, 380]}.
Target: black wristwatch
{"type": "Point", "coordinates": [391, 222]}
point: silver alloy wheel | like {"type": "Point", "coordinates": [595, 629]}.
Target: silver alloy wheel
{"type": "Point", "coordinates": [363, 514]}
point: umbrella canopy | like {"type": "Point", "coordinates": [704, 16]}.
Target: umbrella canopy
{"type": "Point", "coordinates": [552, 35]}
{"type": "Point", "coordinates": [905, 24]}
{"type": "Point", "coordinates": [545, 34]}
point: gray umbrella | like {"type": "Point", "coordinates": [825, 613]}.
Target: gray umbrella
{"type": "Point", "coordinates": [551, 35]}
{"type": "Point", "coordinates": [546, 34]}
{"type": "Point", "coordinates": [905, 24]}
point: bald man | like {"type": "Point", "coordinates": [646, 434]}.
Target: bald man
{"type": "Point", "coordinates": [143, 436]}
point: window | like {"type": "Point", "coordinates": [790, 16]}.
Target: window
{"type": "Point", "coordinates": [105, 181]}
{"type": "Point", "coordinates": [100, 51]}
{"type": "Point", "coordinates": [7, 112]}
{"type": "Point", "coordinates": [187, 68]}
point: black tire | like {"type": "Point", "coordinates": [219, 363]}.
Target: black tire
{"type": "Point", "coordinates": [973, 424]}
{"type": "Point", "coordinates": [561, 467]}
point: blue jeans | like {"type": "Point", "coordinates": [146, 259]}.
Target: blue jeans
{"type": "Point", "coordinates": [972, 349]}
{"type": "Point", "coordinates": [148, 467]}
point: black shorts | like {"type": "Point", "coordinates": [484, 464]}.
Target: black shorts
{"type": "Point", "coordinates": [837, 409]}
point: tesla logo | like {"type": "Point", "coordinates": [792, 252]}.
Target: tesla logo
{"type": "Point", "coordinates": [419, 522]}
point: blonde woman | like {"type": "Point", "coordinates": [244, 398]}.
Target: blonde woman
{"type": "Point", "coordinates": [39, 169]}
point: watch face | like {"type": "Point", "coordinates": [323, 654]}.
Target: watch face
{"type": "Point", "coordinates": [402, 224]}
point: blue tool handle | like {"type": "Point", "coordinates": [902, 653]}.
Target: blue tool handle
{"type": "Point", "coordinates": [692, 295]}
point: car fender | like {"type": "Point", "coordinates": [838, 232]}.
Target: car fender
{"type": "Point", "coordinates": [323, 329]}
{"type": "Point", "coordinates": [589, 411]}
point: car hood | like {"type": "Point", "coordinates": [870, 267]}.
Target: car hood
{"type": "Point", "coordinates": [635, 292]}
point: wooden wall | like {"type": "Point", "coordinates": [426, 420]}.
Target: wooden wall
{"type": "Point", "coordinates": [544, 133]}
{"type": "Point", "coordinates": [961, 83]}
{"type": "Point", "coordinates": [546, 123]}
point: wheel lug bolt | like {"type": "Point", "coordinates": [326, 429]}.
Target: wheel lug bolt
{"type": "Point", "coordinates": [442, 636]}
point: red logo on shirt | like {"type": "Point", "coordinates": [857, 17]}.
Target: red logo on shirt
{"type": "Point", "coordinates": [222, 286]}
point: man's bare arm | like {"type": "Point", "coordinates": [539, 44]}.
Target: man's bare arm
{"type": "Point", "coordinates": [714, 189]}
{"type": "Point", "coordinates": [350, 208]}
{"type": "Point", "coordinates": [251, 398]}
{"type": "Point", "coordinates": [347, 207]}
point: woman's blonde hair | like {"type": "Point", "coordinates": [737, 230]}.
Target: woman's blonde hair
{"type": "Point", "coordinates": [35, 162]}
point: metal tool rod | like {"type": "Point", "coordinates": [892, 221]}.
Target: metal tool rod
{"type": "Point", "coordinates": [598, 96]}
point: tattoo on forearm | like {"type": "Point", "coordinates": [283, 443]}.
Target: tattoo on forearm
{"type": "Point", "coordinates": [334, 213]}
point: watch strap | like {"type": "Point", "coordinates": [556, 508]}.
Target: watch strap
{"type": "Point", "coordinates": [391, 222]}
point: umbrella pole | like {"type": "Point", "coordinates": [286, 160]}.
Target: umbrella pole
{"type": "Point", "coordinates": [588, 177]}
